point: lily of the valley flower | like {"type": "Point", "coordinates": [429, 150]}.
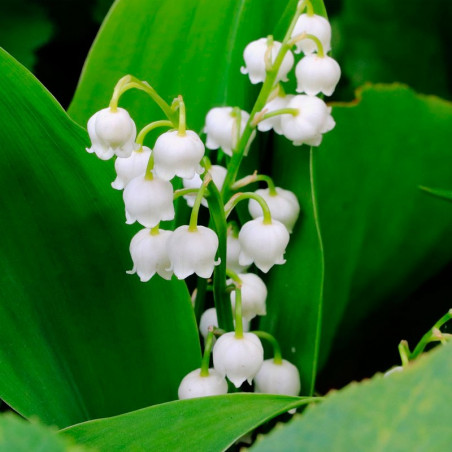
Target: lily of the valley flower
{"type": "Point", "coordinates": [238, 358]}
{"type": "Point", "coordinates": [254, 56]}
{"type": "Point", "coordinates": [149, 254]}
{"type": "Point", "coordinates": [262, 243]}
{"type": "Point", "coordinates": [196, 385]}
{"type": "Point", "coordinates": [130, 167]}
{"type": "Point", "coordinates": [278, 378]}
{"type": "Point", "coordinates": [193, 251]}
{"type": "Point", "coordinates": [254, 295]}
{"type": "Point", "coordinates": [283, 206]}
{"type": "Point", "coordinates": [313, 25]}
{"type": "Point", "coordinates": [178, 155]}
{"type": "Point", "coordinates": [112, 132]}
{"type": "Point", "coordinates": [148, 201]}
{"type": "Point", "coordinates": [278, 103]}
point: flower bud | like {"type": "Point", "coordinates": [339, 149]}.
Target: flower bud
{"type": "Point", "coordinates": [178, 155]}
{"type": "Point", "coordinates": [209, 319]}
{"type": "Point", "coordinates": [312, 120]}
{"type": "Point", "coordinates": [283, 206]}
{"type": "Point", "coordinates": [254, 295]}
{"type": "Point", "coordinates": [221, 128]}
{"type": "Point", "coordinates": [238, 358]}
{"type": "Point", "coordinates": [278, 378]}
{"type": "Point", "coordinates": [264, 244]}
{"type": "Point", "coordinates": [218, 174]}
{"type": "Point", "coordinates": [317, 75]}
{"type": "Point", "coordinates": [195, 385]}
{"type": "Point", "coordinates": [112, 132]}
{"type": "Point", "coordinates": [312, 25]}
{"type": "Point", "coordinates": [193, 251]}
{"type": "Point", "coordinates": [278, 103]}
{"type": "Point", "coordinates": [148, 201]}
{"type": "Point", "coordinates": [254, 56]}
{"type": "Point", "coordinates": [149, 255]}
{"type": "Point", "coordinates": [233, 251]}
{"type": "Point", "coordinates": [130, 167]}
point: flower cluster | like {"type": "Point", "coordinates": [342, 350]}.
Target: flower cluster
{"type": "Point", "coordinates": [147, 175]}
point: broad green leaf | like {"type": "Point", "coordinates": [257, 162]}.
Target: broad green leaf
{"type": "Point", "coordinates": [79, 339]}
{"type": "Point", "coordinates": [18, 435]}
{"type": "Point", "coordinates": [205, 424]}
{"type": "Point", "coordinates": [438, 192]}
{"type": "Point", "coordinates": [408, 410]}
{"type": "Point", "coordinates": [24, 27]}
{"type": "Point", "coordinates": [382, 236]}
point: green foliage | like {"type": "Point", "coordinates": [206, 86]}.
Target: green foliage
{"type": "Point", "coordinates": [438, 192]}
{"type": "Point", "coordinates": [24, 27]}
{"type": "Point", "coordinates": [17, 435]}
{"type": "Point", "coordinates": [408, 410]}
{"type": "Point", "coordinates": [80, 339]}
{"type": "Point", "coordinates": [207, 424]}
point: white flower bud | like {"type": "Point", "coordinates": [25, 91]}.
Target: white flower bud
{"type": "Point", "coordinates": [312, 25]}
{"type": "Point", "coordinates": [274, 378]}
{"type": "Point", "coordinates": [130, 167]}
{"type": "Point", "coordinates": [148, 201]}
{"type": "Point", "coordinates": [193, 251]}
{"type": "Point", "coordinates": [278, 103]}
{"type": "Point", "coordinates": [195, 385]}
{"type": "Point", "coordinates": [221, 128]}
{"type": "Point", "coordinates": [254, 295]}
{"type": "Point", "coordinates": [218, 174]}
{"type": "Point", "coordinates": [317, 75]}
{"type": "Point", "coordinates": [112, 132]}
{"type": "Point", "coordinates": [176, 155]}
{"type": "Point", "coordinates": [149, 255]}
{"type": "Point", "coordinates": [254, 56]}
{"type": "Point", "coordinates": [209, 319]}
{"type": "Point", "coordinates": [263, 244]}
{"type": "Point", "coordinates": [283, 206]}
{"type": "Point", "coordinates": [238, 358]}
{"type": "Point", "coordinates": [233, 251]}
{"type": "Point", "coordinates": [310, 123]}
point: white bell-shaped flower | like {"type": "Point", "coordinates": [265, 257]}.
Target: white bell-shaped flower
{"type": "Point", "coordinates": [278, 378]}
{"type": "Point", "coordinates": [149, 255]}
{"type": "Point", "coordinates": [264, 244]}
{"type": "Point", "coordinates": [196, 385]}
{"type": "Point", "coordinates": [312, 25]}
{"type": "Point", "coordinates": [317, 74]}
{"type": "Point", "coordinates": [238, 358]}
{"type": "Point", "coordinates": [130, 167]}
{"type": "Point", "coordinates": [283, 206]}
{"type": "Point", "coordinates": [254, 296]}
{"type": "Point", "coordinates": [278, 103]}
{"type": "Point", "coordinates": [148, 201]}
{"type": "Point", "coordinates": [209, 319]}
{"type": "Point", "coordinates": [193, 251]}
{"type": "Point", "coordinates": [218, 174]}
{"type": "Point", "coordinates": [112, 132]}
{"type": "Point", "coordinates": [178, 155]}
{"type": "Point", "coordinates": [254, 56]}
{"type": "Point", "coordinates": [314, 119]}
{"type": "Point", "coordinates": [221, 128]}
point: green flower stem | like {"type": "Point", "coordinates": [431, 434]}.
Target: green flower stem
{"type": "Point", "coordinates": [238, 312]}
{"type": "Point", "coordinates": [282, 111]}
{"type": "Point", "coordinates": [430, 335]}
{"type": "Point", "coordinates": [309, 8]}
{"type": "Point", "coordinates": [193, 225]}
{"type": "Point", "coordinates": [256, 178]}
{"type": "Point", "coordinates": [156, 229]}
{"type": "Point", "coordinates": [129, 82]}
{"type": "Point", "coordinates": [205, 362]}
{"type": "Point", "coordinates": [248, 195]}
{"type": "Point", "coordinates": [153, 125]}
{"type": "Point", "coordinates": [237, 114]}
{"type": "Point", "coordinates": [274, 343]}
{"type": "Point", "coordinates": [261, 101]}
{"type": "Point", "coordinates": [184, 191]}
{"type": "Point", "coordinates": [404, 352]}
{"type": "Point", "coordinates": [221, 296]}
{"type": "Point", "coordinates": [182, 117]}
{"type": "Point", "coordinates": [318, 43]}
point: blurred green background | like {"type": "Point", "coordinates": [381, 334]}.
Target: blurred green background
{"type": "Point", "coordinates": [379, 42]}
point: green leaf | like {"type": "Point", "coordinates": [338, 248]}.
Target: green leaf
{"type": "Point", "coordinates": [209, 423]}
{"type": "Point", "coordinates": [24, 28]}
{"type": "Point", "coordinates": [80, 339]}
{"type": "Point", "coordinates": [18, 435]}
{"type": "Point", "coordinates": [438, 192]}
{"type": "Point", "coordinates": [408, 410]}
{"type": "Point", "coordinates": [382, 237]}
